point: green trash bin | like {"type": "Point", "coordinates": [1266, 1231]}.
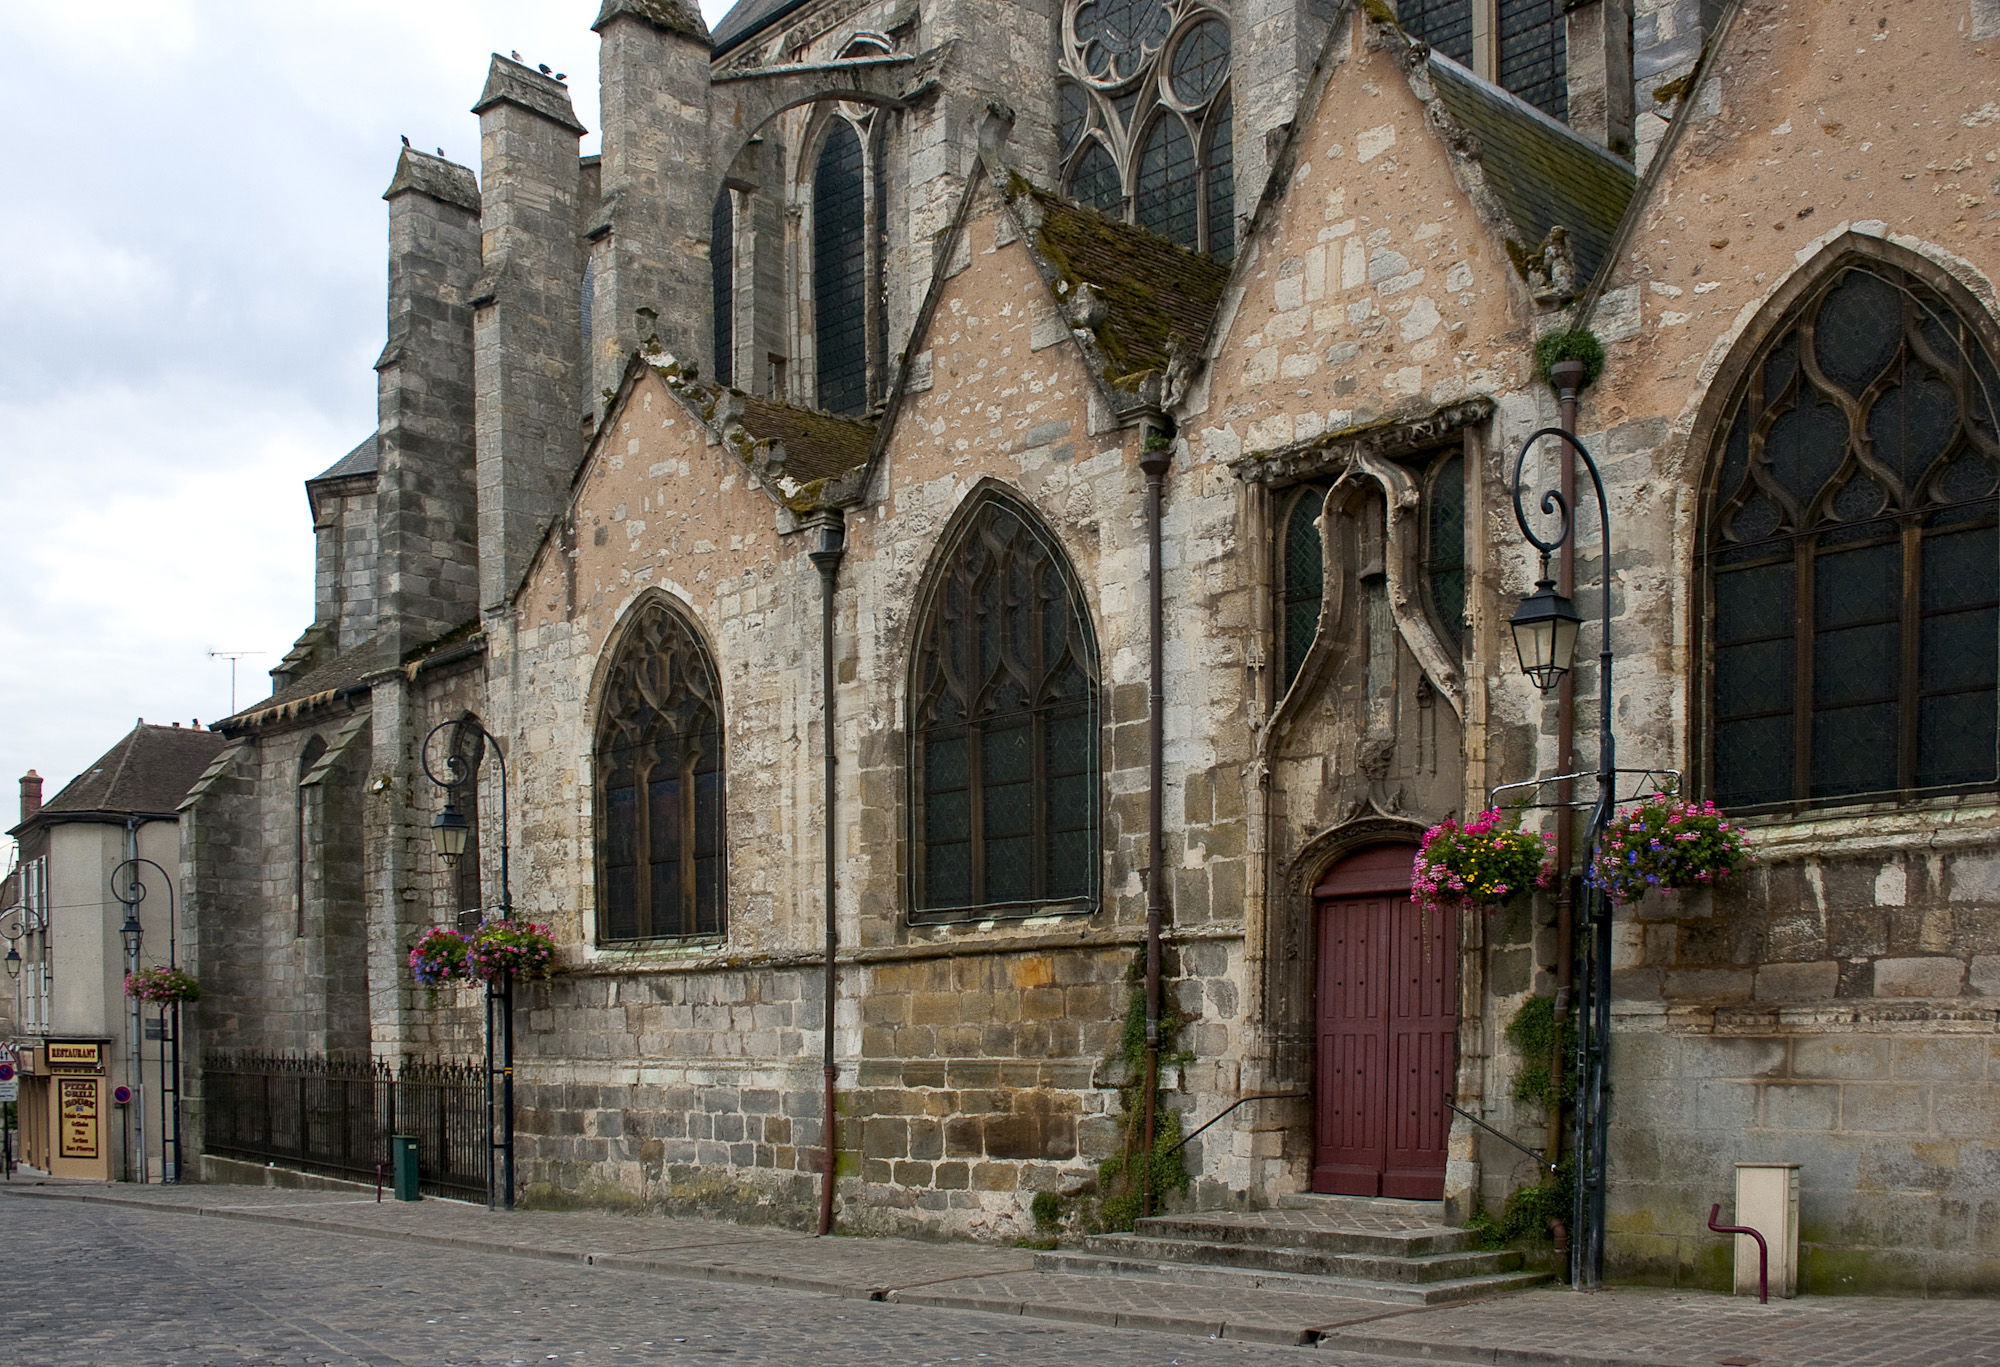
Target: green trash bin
{"type": "Point", "coordinates": [403, 1158]}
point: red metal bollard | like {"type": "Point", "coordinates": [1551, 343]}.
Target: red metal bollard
{"type": "Point", "coordinates": [1763, 1251]}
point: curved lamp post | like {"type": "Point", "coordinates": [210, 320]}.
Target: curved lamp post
{"type": "Point", "coordinates": [131, 871]}
{"type": "Point", "coordinates": [450, 832]}
{"type": "Point", "coordinates": [1545, 630]}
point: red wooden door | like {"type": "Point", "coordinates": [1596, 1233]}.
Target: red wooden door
{"type": "Point", "coordinates": [1387, 1031]}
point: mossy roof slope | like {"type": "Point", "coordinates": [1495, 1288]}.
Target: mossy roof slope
{"type": "Point", "coordinates": [816, 445]}
{"type": "Point", "coordinates": [1159, 299]}
{"type": "Point", "coordinates": [1543, 173]}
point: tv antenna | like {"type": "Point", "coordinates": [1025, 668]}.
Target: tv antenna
{"type": "Point", "coordinates": [232, 656]}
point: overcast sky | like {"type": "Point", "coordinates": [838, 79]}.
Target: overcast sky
{"type": "Point", "coordinates": [192, 267]}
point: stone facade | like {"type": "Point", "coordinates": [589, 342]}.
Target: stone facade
{"type": "Point", "coordinates": [1405, 232]}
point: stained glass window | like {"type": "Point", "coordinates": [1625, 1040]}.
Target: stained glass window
{"type": "Point", "coordinates": [1445, 24]}
{"type": "Point", "coordinates": [1444, 546]}
{"type": "Point", "coordinates": [722, 279]}
{"type": "Point", "coordinates": [1169, 183]}
{"type": "Point", "coordinates": [1534, 53]}
{"type": "Point", "coordinates": [1143, 117]}
{"type": "Point", "coordinates": [1003, 727]}
{"type": "Point", "coordinates": [1301, 580]}
{"type": "Point", "coordinates": [840, 272]}
{"type": "Point", "coordinates": [1853, 553]}
{"type": "Point", "coordinates": [659, 784]}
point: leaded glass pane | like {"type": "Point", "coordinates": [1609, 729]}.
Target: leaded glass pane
{"type": "Point", "coordinates": [1003, 722]}
{"type": "Point", "coordinates": [1117, 35]}
{"type": "Point", "coordinates": [1855, 336]}
{"type": "Point", "coordinates": [1533, 54]}
{"type": "Point", "coordinates": [840, 273]}
{"type": "Point", "coordinates": [1444, 546]}
{"type": "Point", "coordinates": [722, 283]}
{"type": "Point", "coordinates": [1304, 569]}
{"type": "Point", "coordinates": [1072, 114]}
{"type": "Point", "coordinates": [1891, 511]}
{"type": "Point", "coordinates": [1445, 24]}
{"type": "Point", "coordinates": [660, 850]}
{"type": "Point", "coordinates": [1168, 188]}
{"type": "Point", "coordinates": [1093, 182]}
{"type": "Point", "coordinates": [1201, 63]}
{"type": "Point", "coordinates": [1219, 183]}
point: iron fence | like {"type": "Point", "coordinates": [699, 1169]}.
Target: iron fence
{"type": "Point", "coordinates": [335, 1116]}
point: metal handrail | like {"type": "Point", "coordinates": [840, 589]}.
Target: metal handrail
{"type": "Point", "coordinates": [1240, 1101]}
{"type": "Point", "coordinates": [1668, 781]}
{"type": "Point", "coordinates": [1538, 1155]}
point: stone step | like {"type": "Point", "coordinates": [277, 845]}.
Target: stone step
{"type": "Point", "coordinates": [1314, 1230]}
{"type": "Point", "coordinates": [1446, 1292]}
{"type": "Point", "coordinates": [1365, 1207]}
{"type": "Point", "coordinates": [1315, 1261]}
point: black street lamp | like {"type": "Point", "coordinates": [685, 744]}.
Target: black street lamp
{"type": "Point", "coordinates": [1545, 630]}
{"type": "Point", "coordinates": [130, 875]}
{"type": "Point", "coordinates": [450, 832]}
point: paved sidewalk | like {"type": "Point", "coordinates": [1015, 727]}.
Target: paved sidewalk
{"type": "Point", "coordinates": [1548, 1328]}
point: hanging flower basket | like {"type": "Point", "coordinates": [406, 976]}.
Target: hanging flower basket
{"type": "Point", "coordinates": [521, 950]}
{"type": "Point", "coordinates": [164, 986]}
{"type": "Point", "coordinates": [1485, 861]}
{"type": "Point", "coordinates": [441, 956]}
{"type": "Point", "coordinates": [1667, 844]}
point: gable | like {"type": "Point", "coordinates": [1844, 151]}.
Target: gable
{"type": "Point", "coordinates": [1376, 284]}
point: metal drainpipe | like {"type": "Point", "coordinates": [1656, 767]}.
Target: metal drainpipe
{"type": "Point", "coordinates": [826, 556]}
{"type": "Point", "coordinates": [1154, 462]}
{"type": "Point", "coordinates": [1568, 383]}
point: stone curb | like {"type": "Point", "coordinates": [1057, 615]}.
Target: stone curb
{"type": "Point", "coordinates": [925, 1294]}
{"type": "Point", "coordinates": [1386, 1346]}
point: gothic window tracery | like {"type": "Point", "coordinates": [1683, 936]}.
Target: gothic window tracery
{"type": "Point", "coordinates": [1003, 728]}
{"type": "Point", "coordinates": [1444, 546]}
{"type": "Point", "coordinates": [1143, 117]}
{"type": "Point", "coordinates": [660, 860]}
{"type": "Point", "coordinates": [1852, 552]}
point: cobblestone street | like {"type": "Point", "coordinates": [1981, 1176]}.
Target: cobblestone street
{"type": "Point", "coordinates": [100, 1286]}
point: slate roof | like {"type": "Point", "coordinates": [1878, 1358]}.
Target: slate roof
{"type": "Point", "coordinates": [149, 771]}
{"type": "Point", "coordinates": [349, 667]}
{"type": "Point", "coordinates": [1159, 299]}
{"type": "Point", "coordinates": [747, 17]}
{"type": "Point", "coordinates": [816, 444]}
{"type": "Point", "coordinates": [1543, 173]}
{"type": "Point", "coordinates": [364, 459]}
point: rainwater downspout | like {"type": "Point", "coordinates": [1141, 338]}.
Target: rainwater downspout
{"type": "Point", "coordinates": [1155, 456]}
{"type": "Point", "coordinates": [826, 557]}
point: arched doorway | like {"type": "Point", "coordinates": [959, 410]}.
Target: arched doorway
{"type": "Point", "coordinates": [1386, 1033]}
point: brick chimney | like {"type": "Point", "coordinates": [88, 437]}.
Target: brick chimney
{"type": "Point", "coordinates": [31, 794]}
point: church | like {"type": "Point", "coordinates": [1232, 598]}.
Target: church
{"type": "Point", "coordinates": [968, 547]}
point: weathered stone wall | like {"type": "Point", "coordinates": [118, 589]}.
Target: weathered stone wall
{"type": "Point", "coordinates": [1832, 1008]}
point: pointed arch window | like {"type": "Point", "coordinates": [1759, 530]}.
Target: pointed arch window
{"type": "Point", "coordinates": [722, 283]}
{"type": "Point", "coordinates": [1301, 579]}
{"type": "Point", "coordinates": [1852, 549]}
{"type": "Point", "coordinates": [1143, 117]}
{"type": "Point", "coordinates": [305, 826]}
{"type": "Point", "coordinates": [660, 853]}
{"type": "Point", "coordinates": [840, 271]}
{"type": "Point", "coordinates": [1444, 546]}
{"type": "Point", "coordinates": [1003, 727]}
